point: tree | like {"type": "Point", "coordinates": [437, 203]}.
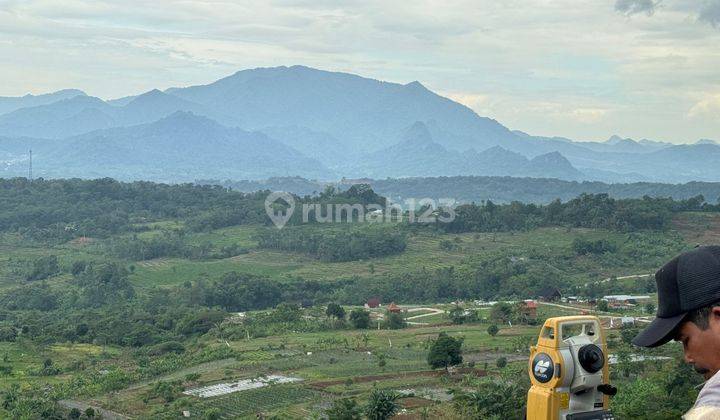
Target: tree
{"type": "Point", "coordinates": [335, 310]}
{"type": "Point", "coordinates": [394, 321]}
{"type": "Point", "coordinates": [344, 409]}
{"type": "Point", "coordinates": [213, 414]}
{"type": "Point", "coordinates": [78, 267]}
{"type": "Point", "coordinates": [7, 333]}
{"type": "Point", "coordinates": [501, 362]}
{"type": "Point", "coordinates": [491, 400]}
{"type": "Point", "coordinates": [637, 399]}
{"type": "Point", "coordinates": [90, 412]}
{"type": "Point", "coordinates": [457, 315]}
{"type": "Point", "coordinates": [360, 318]}
{"type": "Point", "coordinates": [627, 333]}
{"type": "Point", "coordinates": [501, 312]}
{"type": "Point", "coordinates": [445, 351]}
{"type": "Point", "coordinates": [602, 305]}
{"type": "Point", "coordinates": [382, 362]}
{"type": "Point", "coordinates": [382, 405]}
{"type": "Point", "coordinates": [649, 307]}
{"type": "Point", "coordinates": [493, 330]}
{"type": "Point", "coordinates": [43, 268]}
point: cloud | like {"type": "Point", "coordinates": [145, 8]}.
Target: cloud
{"type": "Point", "coordinates": [710, 13]}
{"type": "Point", "coordinates": [707, 107]}
{"type": "Point", "coordinates": [577, 68]}
{"type": "Point", "coordinates": [588, 115]}
{"type": "Point", "coordinates": [471, 100]}
{"type": "Point", "coordinates": [632, 7]}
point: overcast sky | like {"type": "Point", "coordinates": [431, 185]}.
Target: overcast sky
{"type": "Point", "coordinates": [583, 69]}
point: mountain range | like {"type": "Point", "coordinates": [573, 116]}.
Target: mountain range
{"type": "Point", "coordinates": [324, 125]}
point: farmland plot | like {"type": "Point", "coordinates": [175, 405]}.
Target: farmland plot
{"type": "Point", "coordinates": [242, 385]}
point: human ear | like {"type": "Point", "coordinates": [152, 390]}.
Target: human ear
{"type": "Point", "coordinates": [714, 319]}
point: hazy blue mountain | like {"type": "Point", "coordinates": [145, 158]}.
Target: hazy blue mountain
{"type": "Point", "coordinates": [67, 117]}
{"type": "Point", "coordinates": [415, 154]}
{"type": "Point", "coordinates": [553, 165]}
{"type": "Point", "coordinates": [496, 161]}
{"type": "Point", "coordinates": [707, 141]}
{"type": "Point", "coordinates": [180, 147]}
{"type": "Point", "coordinates": [364, 114]}
{"type": "Point", "coordinates": [82, 114]}
{"type": "Point", "coordinates": [321, 146]}
{"type": "Point", "coordinates": [628, 145]}
{"type": "Point", "coordinates": [358, 127]}
{"type": "Point", "coordinates": [10, 104]}
{"type": "Point", "coordinates": [418, 154]}
{"type": "Point", "coordinates": [682, 163]}
{"type": "Point", "coordinates": [152, 106]}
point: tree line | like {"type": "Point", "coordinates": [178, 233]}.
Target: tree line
{"type": "Point", "coordinates": [334, 244]}
{"type": "Point", "coordinates": [586, 211]}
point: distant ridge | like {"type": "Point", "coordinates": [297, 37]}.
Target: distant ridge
{"type": "Point", "coordinates": [479, 188]}
{"type": "Point", "coordinates": [349, 126]}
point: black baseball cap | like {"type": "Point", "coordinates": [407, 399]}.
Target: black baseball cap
{"type": "Point", "coordinates": [687, 282]}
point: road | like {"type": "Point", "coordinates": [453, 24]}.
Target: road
{"type": "Point", "coordinates": [82, 406]}
{"type": "Point", "coordinates": [632, 276]}
{"type": "Point", "coordinates": [433, 312]}
{"type": "Point", "coordinates": [644, 319]}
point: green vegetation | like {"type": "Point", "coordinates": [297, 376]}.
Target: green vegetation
{"type": "Point", "coordinates": [127, 295]}
{"type": "Point", "coordinates": [333, 246]}
{"type": "Point", "coordinates": [445, 351]}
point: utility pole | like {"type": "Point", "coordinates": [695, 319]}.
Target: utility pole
{"type": "Point", "coordinates": [30, 167]}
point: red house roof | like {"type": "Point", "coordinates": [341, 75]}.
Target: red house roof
{"type": "Point", "coordinates": [373, 302]}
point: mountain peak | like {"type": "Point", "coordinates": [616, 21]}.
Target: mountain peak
{"type": "Point", "coordinates": [149, 95]}
{"type": "Point", "coordinates": [554, 165]}
{"type": "Point", "coordinates": [417, 133]}
{"type": "Point", "coordinates": [415, 86]}
{"type": "Point", "coordinates": [186, 119]}
{"type": "Point", "coordinates": [550, 157]}
{"type": "Point", "coordinates": [614, 139]}
{"type": "Point", "coordinates": [66, 93]}
{"type": "Point", "coordinates": [184, 116]}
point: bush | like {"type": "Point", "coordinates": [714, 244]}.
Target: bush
{"type": "Point", "coordinates": [584, 246]}
{"type": "Point", "coordinates": [394, 321]}
{"type": "Point", "coordinates": [335, 310]}
{"type": "Point", "coordinates": [360, 319]}
{"type": "Point", "coordinates": [350, 245]}
{"type": "Point", "coordinates": [492, 400]}
{"type": "Point", "coordinates": [43, 268]}
{"type": "Point", "coordinates": [344, 409]}
{"type": "Point", "coordinates": [493, 330]}
{"type": "Point", "coordinates": [7, 333]}
{"type": "Point", "coordinates": [382, 405]}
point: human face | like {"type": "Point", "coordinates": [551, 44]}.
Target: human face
{"type": "Point", "coordinates": [702, 347]}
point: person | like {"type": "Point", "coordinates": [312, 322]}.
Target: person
{"type": "Point", "coordinates": [689, 312]}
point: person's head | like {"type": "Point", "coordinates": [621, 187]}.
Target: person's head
{"type": "Point", "coordinates": [699, 333]}
{"type": "Point", "coordinates": [689, 308]}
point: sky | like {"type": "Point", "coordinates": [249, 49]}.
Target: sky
{"type": "Point", "coordinates": [582, 69]}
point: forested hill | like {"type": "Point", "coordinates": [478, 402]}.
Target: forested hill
{"type": "Point", "coordinates": [67, 209]}
{"type": "Point", "coordinates": [468, 189]}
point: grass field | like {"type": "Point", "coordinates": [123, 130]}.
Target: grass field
{"type": "Point", "coordinates": [423, 251]}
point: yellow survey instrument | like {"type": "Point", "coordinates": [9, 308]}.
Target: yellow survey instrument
{"type": "Point", "coordinates": [569, 371]}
